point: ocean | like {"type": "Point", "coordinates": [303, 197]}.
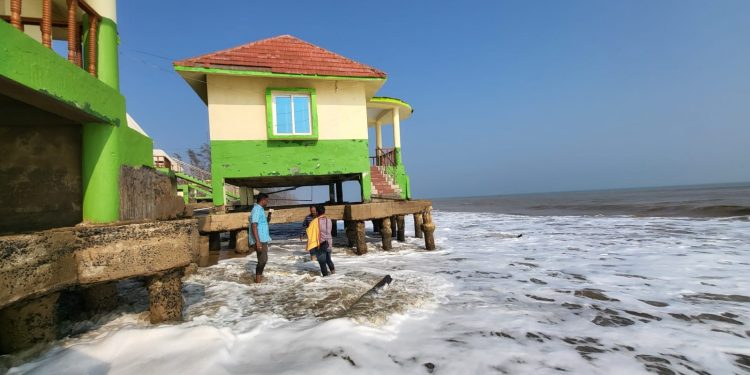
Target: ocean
{"type": "Point", "coordinates": [610, 282]}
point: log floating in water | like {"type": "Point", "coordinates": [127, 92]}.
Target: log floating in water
{"type": "Point", "coordinates": [386, 280]}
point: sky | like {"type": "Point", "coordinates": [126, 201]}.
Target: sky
{"type": "Point", "coordinates": [509, 96]}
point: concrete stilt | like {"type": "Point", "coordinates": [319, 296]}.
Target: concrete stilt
{"type": "Point", "coordinates": [361, 242]}
{"type": "Point", "coordinates": [351, 233]}
{"type": "Point", "coordinates": [394, 225]}
{"type": "Point", "coordinates": [418, 225]}
{"type": "Point", "coordinates": [401, 231]}
{"type": "Point", "coordinates": [165, 296]}
{"type": "Point", "coordinates": [429, 229]}
{"type": "Point", "coordinates": [232, 239]}
{"type": "Point", "coordinates": [376, 226]}
{"type": "Point", "coordinates": [334, 228]}
{"type": "Point", "coordinates": [214, 241]}
{"type": "Point", "coordinates": [242, 244]}
{"type": "Point", "coordinates": [203, 250]}
{"type": "Point", "coordinates": [385, 233]}
{"type": "Point", "coordinates": [101, 297]}
{"type": "Point", "coordinates": [27, 324]}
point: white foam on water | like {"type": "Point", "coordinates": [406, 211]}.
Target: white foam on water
{"type": "Point", "coordinates": [568, 296]}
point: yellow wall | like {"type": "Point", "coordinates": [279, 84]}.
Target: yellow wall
{"type": "Point", "coordinates": [237, 107]}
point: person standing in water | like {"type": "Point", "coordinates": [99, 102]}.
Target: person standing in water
{"type": "Point", "coordinates": [325, 241]}
{"type": "Point", "coordinates": [305, 224]}
{"type": "Point", "coordinates": [260, 237]}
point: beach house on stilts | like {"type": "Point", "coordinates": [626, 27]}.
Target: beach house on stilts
{"type": "Point", "coordinates": [286, 113]}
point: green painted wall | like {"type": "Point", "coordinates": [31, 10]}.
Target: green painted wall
{"type": "Point", "coordinates": [136, 148]}
{"type": "Point", "coordinates": [288, 158]}
{"type": "Point", "coordinates": [29, 63]}
{"type": "Point", "coordinates": [398, 173]}
{"type": "Point", "coordinates": [107, 144]}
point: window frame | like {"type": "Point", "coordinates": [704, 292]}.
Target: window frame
{"type": "Point", "coordinates": [271, 123]}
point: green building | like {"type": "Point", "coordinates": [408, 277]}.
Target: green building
{"type": "Point", "coordinates": [64, 132]}
{"type": "Point", "coordinates": [286, 113]}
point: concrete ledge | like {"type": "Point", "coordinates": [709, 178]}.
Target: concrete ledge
{"type": "Point", "coordinates": [135, 250]}
{"type": "Point", "coordinates": [380, 210]}
{"type": "Point", "coordinates": [38, 263]}
{"type": "Point", "coordinates": [42, 262]}
{"type": "Point", "coordinates": [354, 212]}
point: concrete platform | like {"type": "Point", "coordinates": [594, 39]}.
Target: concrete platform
{"type": "Point", "coordinates": [41, 262]}
{"type": "Point", "coordinates": [354, 215]}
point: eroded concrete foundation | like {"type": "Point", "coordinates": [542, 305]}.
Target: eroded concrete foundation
{"type": "Point", "coordinates": [88, 260]}
{"type": "Point", "coordinates": [165, 296]}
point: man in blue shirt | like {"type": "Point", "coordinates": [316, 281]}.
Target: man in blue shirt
{"type": "Point", "coordinates": [259, 236]}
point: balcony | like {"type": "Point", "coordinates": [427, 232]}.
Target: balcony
{"type": "Point", "coordinates": [66, 20]}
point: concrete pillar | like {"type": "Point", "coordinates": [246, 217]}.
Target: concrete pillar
{"type": "Point", "coordinates": [351, 233]}
{"type": "Point", "coordinates": [101, 297]}
{"type": "Point", "coordinates": [203, 250]}
{"type": "Point", "coordinates": [401, 231]}
{"type": "Point", "coordinates": [378, 137]}
{"type": "Point", "coordinates": [246, 196]}
{"type": "Point", "coordinates": [29, 323]}
{"type": "Point", "coordinates": [243, 246]}
{"type": "Point", "coordinates": [214, 241]}
{"type": "Point", "coordinates": [429, 229]}
{"type": "Point", "coordinates": [361, 240]}
{"type": "Point", "coordinates": [232, 240]}
{"type": "Point", "coordinates": [418, 225]}
{"type": "Point", "coordinates": [334, 228]}
{"type": "Point", "coordinates": [101, 150]}
{"type": "Point", "coordinates": [376, 226]}
{"type": "Point", "coordinates": [396, 129]}
{"type": "Point", "coordinates": [394, 225]}
{"type": "Point", "coordinates": [385, 233]}
{"type": "Point", "coordinates": [165, 296]}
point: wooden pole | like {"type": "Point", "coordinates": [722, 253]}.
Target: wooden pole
{"type": "Point", "coordinates": [15, 14]}
{"type": "Point", "coordinates": [214, 241]}
{"type": "Point", "coordinates": [79, 47]}
{"type": "Point", "coordinates": [72, 29]}
{"type": "Point", "coordinates": [385, 233]}
{"type": "Point", "coordinates": [394, 225]}
{"type": "Point", "coordinates": [361, 241]}
{"type": "Point", "coordinates": [418, 225]}
{"type": "Point", "coordinates": [232, 239]}
{"type": "Point", "coordinates": [401, 232]}
{"type": "Point", "coordinates": [332, 199]}
{"type": "Point", "coordinates": [92, 50]}
{"type": "Point", "coordinates": [46, 25]}
{"type": "Point", "coordinates": [351, 233]}
{"type": "Point", "coordinates": [429, 229]}
{"type": "Point", "coordinates": [339, 192]}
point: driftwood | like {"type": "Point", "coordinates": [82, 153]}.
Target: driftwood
{"type": "Point", "coordinates": [359, 303]}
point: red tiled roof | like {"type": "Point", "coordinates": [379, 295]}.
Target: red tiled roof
{"type": "Point", "coordinates": [284, 54]}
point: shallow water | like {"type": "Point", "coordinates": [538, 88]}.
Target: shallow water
{"type": "Point", "coordinates": [584, 295]}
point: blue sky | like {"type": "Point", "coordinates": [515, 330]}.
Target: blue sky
{"type": "Point", "coordinates": [509, 96]}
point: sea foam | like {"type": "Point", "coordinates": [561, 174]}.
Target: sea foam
{"type": "Point", "coordinates": [584, 295]}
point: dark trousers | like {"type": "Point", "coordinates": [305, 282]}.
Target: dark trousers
{"type": "Point", "coordinates": [262, 258]}
{"type": "Point", "coordinates": [324, 258]}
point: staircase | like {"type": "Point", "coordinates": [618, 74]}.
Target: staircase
{"type": "Point", "coordinates": [383, 185]}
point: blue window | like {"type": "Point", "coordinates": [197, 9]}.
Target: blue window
{"type": "Point", "coordinates": [291, 114]}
